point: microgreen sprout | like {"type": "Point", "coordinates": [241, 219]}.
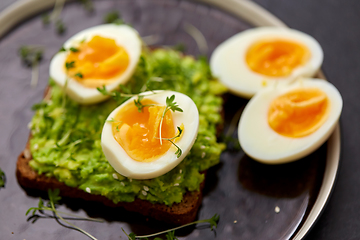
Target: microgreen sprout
{"type": "Point", "coordinates": [73, 49]}
{"type": "Point", "coordinates": [88, 5]}
{"type": "Point", "coordinates": [178, 151]}
{"type": "Point", "coordinates": [170, 105]}
{"type": "Point", "coordinates": [2, 179]}
{"type": "Point", "coordinates": [54, 16]}
{"type": "Point", "coordinates": [79, 75]}
{"type": "Point", "coordinates": [113, 17]}
{"type": "Point", "coordinates": [54, 199]}
{"type": "Point", "coordinates": [170, 233]}
{"type": "Point", "coordinates": [112, 120]}
{"type": "Point", "coordinates": [68, 66]}
{"type": "Point", "coordinates": [139, 105]}
{"type": "Point", "coordinates": [119, 96]}
{"type": "Point", "coordinates": [62, 49]}
{"type": "Point", "coordinates": [31, 56]}
{"type": "Point", "coordinates": [198, 37]}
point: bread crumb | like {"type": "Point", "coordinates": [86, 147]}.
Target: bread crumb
{"type": "Point", "coordinates": [115, 176]}
{"type": "Point", "coordinates": [27, 153]}
{"type": "Point", "coordinates": [88, 190]}
{"type": "Point", "coordinates": [277, 209]}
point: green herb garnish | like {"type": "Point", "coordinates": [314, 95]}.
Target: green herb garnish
{"type": "Point", "coordinates": [31, 56]}
{"type": "Point", "coordinates": [139, 105]}
{"type": "Point", "coordinates": [79, 75]}
{"type": "Point", "coordinates": [88, 5]}
{"type": "Point", "coordinates": [113, 17]}
{"type": "Point", "coordinates": [60, 26]}
{"type": "Point", "coordinates": [178, 151]}
{"type": "Point", "coordinates": [181, 47]}
{"type": "Point", "coordinates": [70, 65]}
{"type": "Point", "coordinates": [112, 120]}
{"type": "Point", "coordinates": [170, 105]}
{"type": "Point", "coordinates": [171, 232]}
{"type": "Point", "coordinates": [54, 198]}
{"type": "Point", "coordinates": [46, 19]}
{"type": "Point", "coordinates": [2, 179]}
{"type": "Point", "coordinates": [73, 49]}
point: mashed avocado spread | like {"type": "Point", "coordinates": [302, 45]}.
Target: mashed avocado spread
{"type": "Point", "coordinates": [65, 141]}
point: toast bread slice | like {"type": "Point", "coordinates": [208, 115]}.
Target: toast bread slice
{"type": "Point", "coordinates": [177, 214]}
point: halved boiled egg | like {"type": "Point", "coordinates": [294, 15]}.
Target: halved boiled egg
{"type": "Point", "coordinates": [265, 56]}
{"type": "Point", "coordinates": [284, 123]}
{"type": "Point", "coordinates": [144, 139]}
{"type": "Point", "coordinates": [105, 55]}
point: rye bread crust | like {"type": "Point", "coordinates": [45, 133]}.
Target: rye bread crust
{"type": "Point", "coordinates": [177, 214]}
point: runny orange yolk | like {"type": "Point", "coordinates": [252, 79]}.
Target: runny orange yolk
{"type": "Point", "coordinates": [138, 132]}
{"type": "Point", "coordinates": [98, 61]}
{"type": "Point", "coordinates": [299, 113]}
{"type": "Point", "coordinates": [276, 58]}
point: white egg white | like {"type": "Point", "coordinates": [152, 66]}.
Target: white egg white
{"type": "Point", "coordinates": [126, 166]}
{"type": "Point", "coordinates": [124, 35]}
{"type": "Point", "coordinates": [228, 61]}
{"type": "Point", "coordinates": [262, 143]}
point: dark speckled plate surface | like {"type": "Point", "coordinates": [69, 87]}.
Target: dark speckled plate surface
{"type": "Point", "coordinates": [245, 193]}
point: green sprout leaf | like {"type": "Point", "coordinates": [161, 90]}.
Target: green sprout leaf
{"type": "Point", "coordinates": [70, 65]}
{"type": "Point", "coordinates": [31, 56]}
{"type": "Point", "coordinates": [54, 199]}
{"type": "Point", "coordinates": [2, 179]}
{"type": "Point", "coordinates": [88, 5]}
{"type": "Point", "coordinates": [73, 49]}
{"type": "Point", "coordinates": [113, 17]}
{"type": "Point", "coordinates": [60, 26]}
{"type": "Point", "coordinates": [79, 75]}
{"type": "Point", "coordinates": [170, 105]}
{"type": "Point", "coordinates": [62, 49]}
{"type": "Point", "coordinates": [112, 120]}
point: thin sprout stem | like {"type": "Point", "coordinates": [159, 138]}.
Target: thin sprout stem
{"type": "Point", "coordinates": [74, 226]}
{"type": "Point", "coordinates": [34, 74]}
{"type": "Point", "coordinates": [70, 214]}
{"type": "Point", "coordinates": [198, 37]}
{"type": "Point", "coordinates": [233, 123]}
{"type": "Point", "coordinates": [173, 229]}
{"type": "Point", "coordinates": [58, 7]}
{"type": "Point", "coordinates": [161, 122]}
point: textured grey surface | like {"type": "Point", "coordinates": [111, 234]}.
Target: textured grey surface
{"type": "Point", "coordinates": [335, 24]}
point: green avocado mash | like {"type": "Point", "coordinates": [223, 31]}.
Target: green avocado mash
{"type": "Point", "coordinates": [65, 139]}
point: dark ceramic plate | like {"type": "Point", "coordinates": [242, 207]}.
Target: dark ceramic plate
{"type": "Point", "coordinates": [254, 201]}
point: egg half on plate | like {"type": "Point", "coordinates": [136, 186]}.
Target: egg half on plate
{"type": "Point", "coordinates": [146, 142]}
{"type": "Point", "coordinates": [284, 123]}
{"type": "Point", "coordinates": [105, 55]}
{"type": "Point", "coordinates": [264, 56]}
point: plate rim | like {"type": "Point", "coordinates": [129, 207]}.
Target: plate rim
{"type": "Point", "coordinates": [252, 13]}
